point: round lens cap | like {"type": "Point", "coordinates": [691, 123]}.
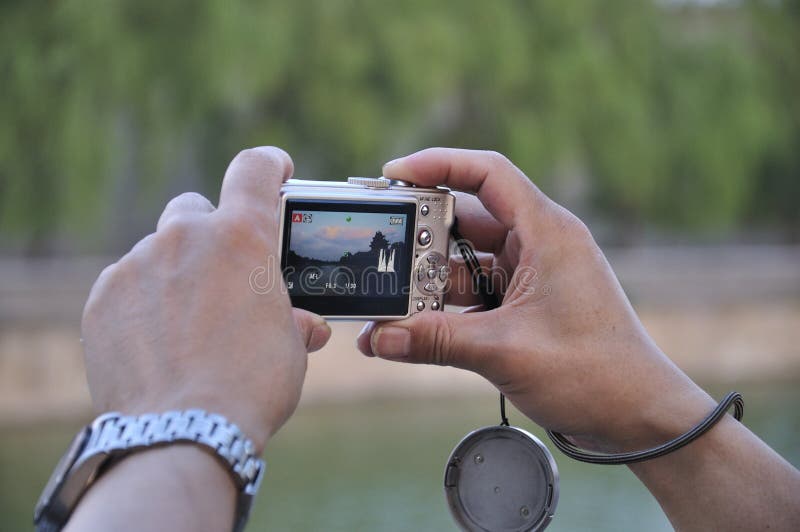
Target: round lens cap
{"type": "Point", "coordinates": [501, 479]}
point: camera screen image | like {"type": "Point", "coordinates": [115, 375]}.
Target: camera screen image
{"type": "Point", "coordinates": [348, 258]}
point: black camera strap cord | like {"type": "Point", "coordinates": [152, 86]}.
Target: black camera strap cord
{"type": "Point", "coordinates": [482, 284]}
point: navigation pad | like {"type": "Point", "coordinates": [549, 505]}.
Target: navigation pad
{"type": "Point", "coordinates": [431, 274]}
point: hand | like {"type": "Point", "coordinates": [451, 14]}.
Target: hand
{"type": "Point", "coordinates": [565, 346]}
{"type": "Point", "coordinates": [175, 324]}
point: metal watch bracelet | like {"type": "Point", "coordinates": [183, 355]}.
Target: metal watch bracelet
{"type": "Point", "coordinates": [112, 436]}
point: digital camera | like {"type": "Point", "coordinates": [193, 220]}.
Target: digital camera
{"type": "Point", "coordinates": [365, 249]}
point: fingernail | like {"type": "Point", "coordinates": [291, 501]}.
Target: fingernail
{"type": "Point", "coordinates": [323, 327]}
{"type": "Point", "coordinates": [320, 335]}
{"type": "Point", "coordinates": [391, 163]}
{"type": "Point", "coordinates": [363, 340]}
{"type": "Point", "coordinates": [391, 342]}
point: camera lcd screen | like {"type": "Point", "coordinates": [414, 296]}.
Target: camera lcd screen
{"type": "Point", "coordinates": [348, 258]}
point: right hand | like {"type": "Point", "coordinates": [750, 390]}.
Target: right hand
{"type": "Point", "coordinates": [565, 346]}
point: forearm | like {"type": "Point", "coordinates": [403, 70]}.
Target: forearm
{"type": "Point", "coordinates": [728, 479]}
{"type": "Point", "coordinates": [179, 487]}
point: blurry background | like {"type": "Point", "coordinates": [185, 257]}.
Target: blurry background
{"type": "Point", "coordinates": [671, 127]}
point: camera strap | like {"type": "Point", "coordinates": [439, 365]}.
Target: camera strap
{"type": "Point", "coordinates": [498, 477]}
{"type": "Point", "coordinates": [482, 284]}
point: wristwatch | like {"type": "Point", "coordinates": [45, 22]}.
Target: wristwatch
{"type": "Point", "coordinates": [113, 436]}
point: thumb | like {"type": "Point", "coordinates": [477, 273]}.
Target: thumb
{"type": "Point", "coordinates": [438, 338]}
{"type": "Point", "coordinates": [314, 330]}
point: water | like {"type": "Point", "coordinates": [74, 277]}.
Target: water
{"type": "Point", "coordinates": [378, 466]}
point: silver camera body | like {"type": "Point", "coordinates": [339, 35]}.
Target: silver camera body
{"type": "Point", "coordinates": [365, 249]}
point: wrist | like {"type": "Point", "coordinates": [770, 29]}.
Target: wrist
{"type": "Point", "coordinates": [653, 418]}
{"type": "Point", "coordinates": [114, 440]}
{"type": "Point", "coordinates": [644, 402]}
{"type": "Point", "coordinates": [143, 490]}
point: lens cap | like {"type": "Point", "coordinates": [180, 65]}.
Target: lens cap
{"type": "Point", "coordinates": [501, 478]}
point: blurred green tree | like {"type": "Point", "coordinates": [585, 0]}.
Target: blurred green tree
{"type": "Point", "coordinates": [776, 38]}
{"type": "Point", "coordinates": [672, 114]}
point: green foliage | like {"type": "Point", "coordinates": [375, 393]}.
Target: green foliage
{"type": "Point", "coordinates": [677, 115]}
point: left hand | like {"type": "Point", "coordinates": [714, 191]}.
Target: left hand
{"type": "Point", "coordinates": [175, 324]}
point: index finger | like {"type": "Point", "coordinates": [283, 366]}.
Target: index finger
{"type": "Point", "coordinates": [502, 187]}
{"type": "Point", "coordinates": [253, 180]}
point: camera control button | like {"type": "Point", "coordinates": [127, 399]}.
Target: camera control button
{"type": "Point", "coordinates": [420, 273]}
{"type": "Point", "coordinates": [432, 273]}
{"type": "Point", "coordinates": [430, 287]}
{"type": "Point", "coordinates": [443, 272]}
{"type": "Point", "coordinates": [420, 305]}
{"type": "Point", "coordinates": [432, 259]}
{"type": "Point", "coordinates": [435, 305]}
{"type": "Point", "coordinates": [424, 237]}
{"type": "Point", "coordinates": [424, 210]}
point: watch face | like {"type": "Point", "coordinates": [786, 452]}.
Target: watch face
{"type": "Point", "coordinates": [53, 486]}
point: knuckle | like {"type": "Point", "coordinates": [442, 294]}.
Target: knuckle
{"type": "Point", "coordinates": [189, 198]}
{"type": "Point", "coordinates": [241, 232]}
{"type": "Point", "coordinates": [442, 341]}
{"type": "Point", "coordinates": [260, 157]}
{"type": "Point", "coordinates": [107, 272]}
{"type": "Point", "coordinates": [125, 269]}
{"type": "Point", "coordinates": [143, 246]}
{"type": "Point", "coordinates": [90, 314]}
{"type": "Point", "coordinates": [497, 159]}
{"type": "Point", "coordinates": [177, 230]}
{"type": "Point", "coordinates": [107, 282]}
{"type": "Point", "coordinates": [575, 229]}
{"type": "Point", "coordinates": [193, 196]}
{"type": "Point", "coordinates": [568, 228]}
